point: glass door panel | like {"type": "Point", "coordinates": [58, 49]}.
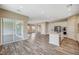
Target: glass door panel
{"type": "Point", "coordinates": [7, 30]}
{"type": "Point", "coordinates": [12, 30]}
{"type": "Point", "coordinates": [18, 31]}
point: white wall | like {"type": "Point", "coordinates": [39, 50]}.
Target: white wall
{"type": "Point", "coordinates": [43, 28]}
{"type": "Point", "coordinates": [52, 25]}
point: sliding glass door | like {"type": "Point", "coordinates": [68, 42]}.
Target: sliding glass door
{"type": "Point", "coordinates": [11, 29]}
{"type": "Point", "coordinates": [8, 30]}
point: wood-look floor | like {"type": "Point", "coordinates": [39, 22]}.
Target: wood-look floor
{"type": "Point", "coordinates": [70, 46]}
{"type": "Point", "coordinates": [39, 46]}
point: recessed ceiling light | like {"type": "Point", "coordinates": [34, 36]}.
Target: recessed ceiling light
{"type": "Point", "coordinates": [69, 7]}
{"type": "Point", "coordinates": [20, 9]}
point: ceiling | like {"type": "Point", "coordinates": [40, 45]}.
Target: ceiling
{"type": "Point", "coordinates": [43, 12]}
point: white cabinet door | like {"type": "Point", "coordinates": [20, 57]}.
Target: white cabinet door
{"type": "Point", "coordinates": [54, 39]}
